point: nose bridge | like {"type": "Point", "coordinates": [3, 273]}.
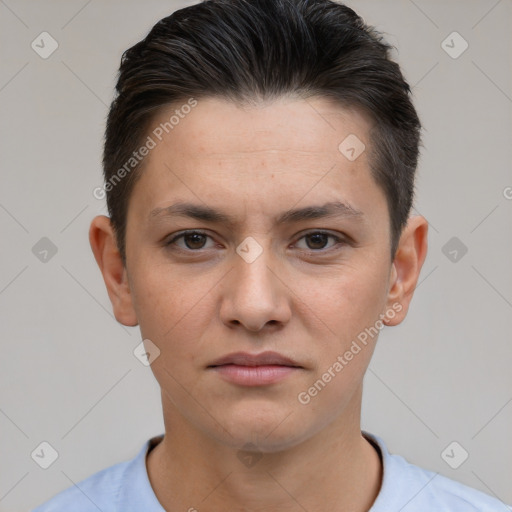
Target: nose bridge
{"type": "Point", "coordinates": [254, 295]}
{"type": "Point", "coordinates": [252, 264]}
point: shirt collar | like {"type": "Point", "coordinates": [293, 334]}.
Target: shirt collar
{"type": "Point", "coordinates": [137, 493]}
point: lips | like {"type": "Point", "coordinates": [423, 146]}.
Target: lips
{"type": "Point", "coordinates": [250, 370]}
{"type": "Point", "coordinates": [262, 359]}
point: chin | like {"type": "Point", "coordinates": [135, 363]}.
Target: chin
{"type": "Point", "coordinates": [268, 429]}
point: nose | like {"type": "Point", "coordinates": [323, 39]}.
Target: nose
{"type": "Point", "coordinates": [255, 294]}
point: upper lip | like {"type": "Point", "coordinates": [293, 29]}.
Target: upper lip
{"type": "Point", "coordinates": [262, 359]}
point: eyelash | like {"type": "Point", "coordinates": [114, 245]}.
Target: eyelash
{"type": "Point", "coordinates": [339, 241]}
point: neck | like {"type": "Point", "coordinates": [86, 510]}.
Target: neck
{"type": "Point", "coordinates": [336, 469]}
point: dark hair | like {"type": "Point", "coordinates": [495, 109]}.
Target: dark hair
{"type": "Point", "coordinates": [244, 50]}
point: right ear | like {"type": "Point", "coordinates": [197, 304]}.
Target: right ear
{"type": "Point", "coordinates": [104, 246]}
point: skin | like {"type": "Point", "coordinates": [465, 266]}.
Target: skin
{"type": "Point", "coordinates": [255, 163]}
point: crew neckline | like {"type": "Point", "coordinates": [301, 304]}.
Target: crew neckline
{"type": "Point", "coordinates": [154, 441]}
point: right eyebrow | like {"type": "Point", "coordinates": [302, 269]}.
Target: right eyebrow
{"type": "Point", "coordinates": [208, 214]}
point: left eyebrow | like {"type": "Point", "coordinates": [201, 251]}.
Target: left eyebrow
{"type": "Point", "coordinates": [207, 214]}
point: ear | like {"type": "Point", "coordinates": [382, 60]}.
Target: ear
{"type": "Point", "coordinates": [108, 257]}
{"type": "Point", "coordinates": [406, 268]}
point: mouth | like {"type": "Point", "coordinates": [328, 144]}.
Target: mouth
{"type": "Point", "coordinates": [262, 359]}
{"type": "Point", "coordinates": [262, 369]}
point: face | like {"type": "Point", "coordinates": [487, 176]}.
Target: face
{"type": "Point", "coordinates": [283, 247]}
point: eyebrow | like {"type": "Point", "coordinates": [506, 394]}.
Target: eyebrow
{"type": "Point", "coordinates": [207, 214]}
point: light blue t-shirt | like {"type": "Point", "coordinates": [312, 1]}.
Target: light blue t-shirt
{"type": "Point", "coordinates": [125, 487]}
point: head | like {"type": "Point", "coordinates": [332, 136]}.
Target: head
{"type": "Point", "coordinates": [249, 110]}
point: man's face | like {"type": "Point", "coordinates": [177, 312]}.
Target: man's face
{"type": "Point", "coordinates": [305, 288]}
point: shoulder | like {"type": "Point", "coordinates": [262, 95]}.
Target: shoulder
{"type": "Point", "coordinates": [433, 491]}
{"type": "Point", "coordinates": [121, 487]}
{"type": "Point", "coordinates": [457, 496]}
{"type": "Point", "coordinates": [409, 488]}
{"type": "Point", "coordinates": [98, 491]}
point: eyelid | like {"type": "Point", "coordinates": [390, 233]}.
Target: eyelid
{"type": "Point", "coordinates": [341, 240]}
{"type": "Point", "coordinates": [182, 234]}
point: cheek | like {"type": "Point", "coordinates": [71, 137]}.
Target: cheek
{"type": "Point", "coordinates": [174, 313]}
{"type": "Point", "coordinates": [349, 300]}
{"type": "Point", "coordinates": [170, 306]}
{"type": "Point", "coordinates": [349, 311]}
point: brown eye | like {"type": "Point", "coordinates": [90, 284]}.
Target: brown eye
{"type": "Point", "coordinates": [317, 241]}
{"type": "Point", "coordinates": [193, 241]}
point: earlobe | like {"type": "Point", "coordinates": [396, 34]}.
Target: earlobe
{"type": "Point", "coordinates": [108, 258]}
{"type": "Point", "coordinates": [406, 268]}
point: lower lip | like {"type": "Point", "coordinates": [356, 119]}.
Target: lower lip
{"type": "Point", "coordinates": [254, 375]}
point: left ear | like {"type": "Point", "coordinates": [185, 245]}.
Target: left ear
{"type": "Point", "coordinates": [406, 268]}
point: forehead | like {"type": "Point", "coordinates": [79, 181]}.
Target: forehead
{"type": "Point", "coordinates": [265, 157]}
{"type": "Point", "coordinates": [219, 126]}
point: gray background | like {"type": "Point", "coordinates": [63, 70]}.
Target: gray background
{"type": "Point", "coordinates": [69, 376]}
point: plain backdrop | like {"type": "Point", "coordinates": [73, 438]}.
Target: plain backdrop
{"type": "Point", "coordinates": [68, 373]}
